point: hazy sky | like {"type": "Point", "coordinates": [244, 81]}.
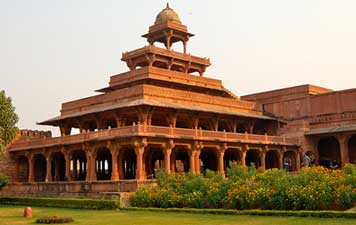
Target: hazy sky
{"type": "Point", "coordinates": [56, 51]}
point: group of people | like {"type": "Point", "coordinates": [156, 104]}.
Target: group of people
{"type": "Point", "coordinates": [309, 161]}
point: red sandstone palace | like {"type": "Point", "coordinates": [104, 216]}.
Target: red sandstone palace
{"type": "Point", "coordinates": [165, 115]}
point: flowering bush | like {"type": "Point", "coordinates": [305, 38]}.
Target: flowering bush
{"type": "Point", "coordinates": [315, 188]}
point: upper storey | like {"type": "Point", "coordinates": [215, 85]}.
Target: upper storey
{"type": "Point", "coordinates": [167, 30]}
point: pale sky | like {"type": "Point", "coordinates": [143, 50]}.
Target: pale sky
{"type": "Point", "coordinates": [56, 51]}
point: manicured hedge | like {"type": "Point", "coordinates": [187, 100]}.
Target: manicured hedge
{"type": "Point", "coordinates": [315, 188]}
{"type": "Point", "coordinates": [61, 202]}
{"type": "Point", "coordinates": [320, 214]}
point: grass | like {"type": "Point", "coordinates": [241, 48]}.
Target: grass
{"type": "Point", "coordinates": [12, 215]}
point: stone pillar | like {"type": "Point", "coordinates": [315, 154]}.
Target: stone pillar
{"type": "Point", "coordinates": [139, 146]}
{"type": "Point", "coordinates": [263, 159]}
{"type": "Point", "coordinates": [344, 152]}
{"type": "Point", "coordinates": [244, 150]}
{"type": "Point", "coordinates": [220, 154]}
{"type": "Point", "coordinates": [167, 150]}
{"type": "Point", "coordinates": [197, 161]}
{"type": "Point", "coordinates": [67, 158]}
{"type": "Point", "coordinates": [297, 158]}
{"type": "Point", "coordinates": [48, 169]}
{"type": "Point", "coordinates": [91, 158]}
{"type": "Point", "coordinates": [115, 149]}
{"type": "Point", "coordinates": [280, 159]}
{"type": "Point", "coordinates": [192, 161]}
{"type": "Point", "coordinates": [75, 168]}
{"type": "Point", "coordinates": [31, 164]}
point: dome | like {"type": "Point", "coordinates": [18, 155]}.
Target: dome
{"type": "Point", "coordinates": [166, 15]}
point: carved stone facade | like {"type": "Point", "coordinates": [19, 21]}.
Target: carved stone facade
{"type": "Point", "coordinates": [160, 116]}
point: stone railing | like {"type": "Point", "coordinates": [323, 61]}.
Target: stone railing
{"type": "Point", "coordinates": [154, 131]}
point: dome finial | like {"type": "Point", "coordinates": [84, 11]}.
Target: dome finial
{"type": "Point", "coordinates": [167, 14]}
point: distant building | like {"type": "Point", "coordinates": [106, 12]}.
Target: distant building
{"type": "Point", "coordinates": [164, 115]}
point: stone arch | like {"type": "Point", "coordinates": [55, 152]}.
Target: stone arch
{"type": "Point", "coordinates": [208, 159]}
{"type": "Point", "coordinates": [231, 156]}
{"type": "Point", "coordinates": [128, 164]}
{"type": "Point", "coordinates": [40, 168]}
{"type": "Point", "coordinates": [22, 169]}
{"type": "Point", "coordinates": [180, 160]}
{"type": "Point", "coordinates": [328, 151]}
{"type": "Point", "coordinates": [103, 164]}
{"type": "Point", "coordinates": [253, 156]}
{"type": "Point", "coordinates": [352, 149]}
{"type": "Point", "coordinates": [58, 167]}
{"type": "Point", "coordinates": [272, 159]}
{"type": "Point", "coordinates": [78, 166]}
{"type": "Point", "coordinates": [290, 161]}
{"type": "Point", "coordinates": [153, 161]}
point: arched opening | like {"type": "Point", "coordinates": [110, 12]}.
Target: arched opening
{"type": "Point", "coordinates": [160, 64]}
{"type": "Point", "coordinates": [259, 128]}
{"type": "Point", "coordinates": [78, 166]}
{"type": "Point", "coordinates": [205, 123]}
{"type": "Point", "coordinates": [231, 156]}
{"type": "Point", "coordinates": [110, 123]}
{"type": "Point", "coordinates": [103, 164]}
{"type": "Point", "coordinates": [224, 125]}
{"type": "Point", "coordinates": [180, 160]}
{"type": "Point", "coordinates": [290, 161]}
{"type": "Point", "coordinates": [329, 152]}
{"type": "Point", "coordinates": [241, 128]}
{"type": "Point", "coordinates": [154, 161]}
{"type": "Point", "coordinates": [127, 165]}
{"type": "Point", "coordinates": [40, 168]}
{"type": "Point", "coordinates": [159, 118]}
{"type": "Point", "coordinates": [352, 149]}
{"type": "Point", "coordinates": [184, 121]}
{"type": "Point", "coordinates": [22, 169]}
{"type": "Point", "coordinates": [58, 167]}
{"type": "Point", "coordinates": [272, 159]}
{"type": "Point", "coordinates": [208, 160]}
{"type": "Point", "coordinates": [131, 117]}
{"type": "Point", "coordinates": [177, 68]}
{"type": "Point", "coordinates": [253, 157]}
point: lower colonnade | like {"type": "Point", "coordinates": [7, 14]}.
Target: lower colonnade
{"type": "Point", "coordinates": [143, 158]}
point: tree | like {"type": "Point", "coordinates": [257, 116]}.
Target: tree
{"type": "Point", "coordinates": [8, 120]}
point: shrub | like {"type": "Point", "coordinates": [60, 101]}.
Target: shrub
{"type": "Point", "coordinates": [3, 181]}
{"type": "Point", "coordinates": [315, 188]}
{"type": "Point", "coordinates": [53, 220]}
{"type": "Point", "coordinates": [61, 202]}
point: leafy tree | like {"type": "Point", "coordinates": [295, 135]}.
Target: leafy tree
{"type": "Point", "coordinates": [8, 120]}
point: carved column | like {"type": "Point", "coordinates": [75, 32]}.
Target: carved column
{"type": "Point", "coordinates": [192, 160]}
{"type": "Point", "coordinates": [197, 160]}
{"type": "Point", "coordinates": [139, 146]}
{"type": "Point", "coordinates": [167, 150]}
{"type": "Point", "coordinates": [297, 158]}
{"type": "Point", "coordinates": [220, 153]}
{"type": "Point", "coordinates": [115, 149]}
{"type": "Point", "coordinates": [344, 153]}
{"type": "Point", "coordinates": [244, 150]}
{"type": "Point", "coordinates": [263, 158]}
{"type": "Point", "coordinates": [31, 177]}
{"type": "Point", "coordinates": [90, 153]}
{"type": "Point", "coordinates": [67, 157]}
{"type": "Point", "coordinates": [48, 169]}
{"type": "Point", "coordinates": [280, 159]}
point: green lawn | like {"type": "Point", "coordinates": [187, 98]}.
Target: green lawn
{"type": "Point", "coordinates": [12, 215]}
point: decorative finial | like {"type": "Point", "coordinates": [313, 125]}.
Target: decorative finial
{"type": "Point", "coordinates": [167, 7]}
